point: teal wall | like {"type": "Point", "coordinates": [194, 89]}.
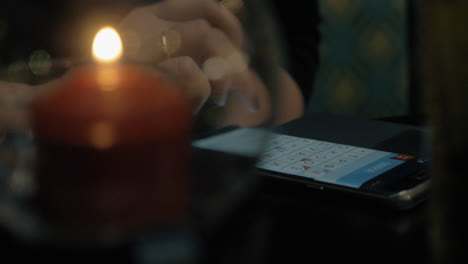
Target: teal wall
{"type": "Point", "coordinates": [363, 68]}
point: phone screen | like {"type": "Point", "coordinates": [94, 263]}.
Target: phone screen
{"type": "Point", "coordinates": [326, 161]}
{"type": "Point", "coordinates": [323, 161]}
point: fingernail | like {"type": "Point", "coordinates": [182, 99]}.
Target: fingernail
{"type": "Point", "coordinates": [250, 103]}
{"type": "Point", "coordinates": [221, 99]}
{"type": "Point", "coordinates": [198, 106]}
{"type": "Point", "coordinates": [220, 96]}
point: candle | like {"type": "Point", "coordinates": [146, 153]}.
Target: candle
{"type": "Point", "coordinates": [113, 146]}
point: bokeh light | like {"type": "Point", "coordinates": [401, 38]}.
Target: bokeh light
{"type": "Point", "coordinates": [40, 62]}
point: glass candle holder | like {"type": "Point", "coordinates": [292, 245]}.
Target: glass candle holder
{"type": "Point", "coordinates": [103, 155]}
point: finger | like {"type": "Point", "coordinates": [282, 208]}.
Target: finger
{"type": "Point", "coordinates": [249, 103]}
{"type": "Point", "coordinates": [215, 14]}
{"type": "Point", "coordinates": [213, 51]}
{"type": "Point", "coordinates": [246, 86]}
{"type": "Point", "coordinates": [194, 83]}
{"type": "Point", "coordinates": [141, 34]}
{"type": "Point", "coordinates": [242, 84]}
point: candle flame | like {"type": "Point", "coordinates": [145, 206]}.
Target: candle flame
{"type": "Point", "coordinates": [107, 45]}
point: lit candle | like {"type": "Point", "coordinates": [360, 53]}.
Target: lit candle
{"type": "Point", "coordinates": [113, 146]}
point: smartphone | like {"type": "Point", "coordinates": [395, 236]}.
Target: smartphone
{"type": "Point", "coordinates": [394, 179]}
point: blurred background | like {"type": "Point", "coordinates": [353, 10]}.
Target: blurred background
{"type": "Point", "coordinates": [359, 58]}
{"type": "Point", "coordinates": [366, 54]}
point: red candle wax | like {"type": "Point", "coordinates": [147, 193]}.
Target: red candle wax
{"type": "Point", "coordinates": [113, 150]}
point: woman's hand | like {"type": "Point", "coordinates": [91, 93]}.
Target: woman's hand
{"type": "Point", "coordinates": [200, 43]}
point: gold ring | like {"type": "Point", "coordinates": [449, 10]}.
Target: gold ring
{"type": "Point", "coordinates": [170, 42]}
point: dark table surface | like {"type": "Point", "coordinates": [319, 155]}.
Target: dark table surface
{"type": "Point", "coordinates": [313, 226]}
{"type": "Point", "coordinates": [288, 223]}
{"type": "Point", "coordinates": [338, 229]}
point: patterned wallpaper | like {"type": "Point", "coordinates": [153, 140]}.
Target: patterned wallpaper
{"type": "Point", "coordinates": [363, 67]}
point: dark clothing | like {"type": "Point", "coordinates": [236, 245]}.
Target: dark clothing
{"type": "Point", "coordinates": [299, 21]}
